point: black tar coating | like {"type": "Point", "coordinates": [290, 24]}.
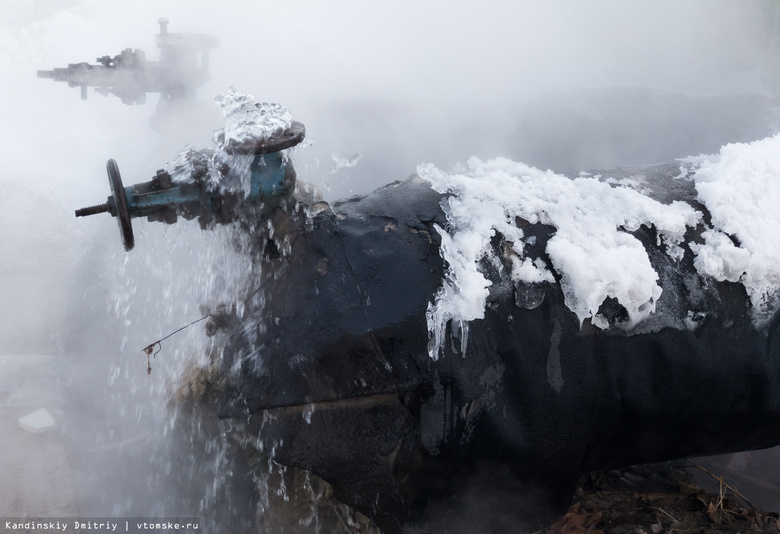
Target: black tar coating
{"type": "Point", "coordinates": [344, 328]}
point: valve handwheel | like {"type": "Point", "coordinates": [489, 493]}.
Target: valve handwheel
{"type": "Point", "coordinates": [116, 205]}
{"type": "Point", "coordinates": [119, 197]}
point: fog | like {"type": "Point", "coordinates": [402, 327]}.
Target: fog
{"type": "Point", "coordinates": [381, 88]}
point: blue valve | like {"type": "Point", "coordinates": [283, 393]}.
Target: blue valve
{"type": "Point", "coordinates": [271, 181]}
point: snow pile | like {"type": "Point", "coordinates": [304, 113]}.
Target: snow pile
{"type": "Point", "coordinates": [37, 422]}
{"type": "Point", "coordinates": [595, 257]}
{"type": "Point", "coordinates": [741, 188]}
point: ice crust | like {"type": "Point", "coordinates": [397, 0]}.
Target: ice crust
{"type": "Point", "coordinates": [592, 249]}
{"type": "Point", "coordinates": [245, 121]}
{"type": "Point", "coordinates": [595, 257]}
{"type": "Point", "coordinates": [741, 188]}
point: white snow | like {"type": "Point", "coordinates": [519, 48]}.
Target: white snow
{"type": "Point", "coordinates": [594, 256]}
{"type": "Point", "coordinates": [741, 188]}
{"type": "Point", "coordinates": [37, 422]}
{"type": "Point", "coordinates": [592, 250]}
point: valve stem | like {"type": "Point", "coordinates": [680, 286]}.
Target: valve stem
{"type": "Point", "coordinates": [93, 210]}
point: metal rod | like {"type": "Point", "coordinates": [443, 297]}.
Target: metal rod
{"type": "Point", "coordinates": [93, 210]}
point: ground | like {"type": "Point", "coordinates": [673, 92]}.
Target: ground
{"type": "Point", "coordinates": [655, 499]}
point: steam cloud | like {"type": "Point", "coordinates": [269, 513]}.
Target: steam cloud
{"type": "Point", "coordinates": [565, 85]}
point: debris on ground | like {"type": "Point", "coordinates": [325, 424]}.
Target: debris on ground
{"type": "Point", "coordinates": [659, 498]}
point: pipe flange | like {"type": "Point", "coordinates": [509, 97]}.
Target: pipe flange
{"type": "Point", "coordinates": [286, 139]}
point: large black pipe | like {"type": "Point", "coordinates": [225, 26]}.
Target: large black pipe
{"type": "Point", "coordinates": [342, 330]}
